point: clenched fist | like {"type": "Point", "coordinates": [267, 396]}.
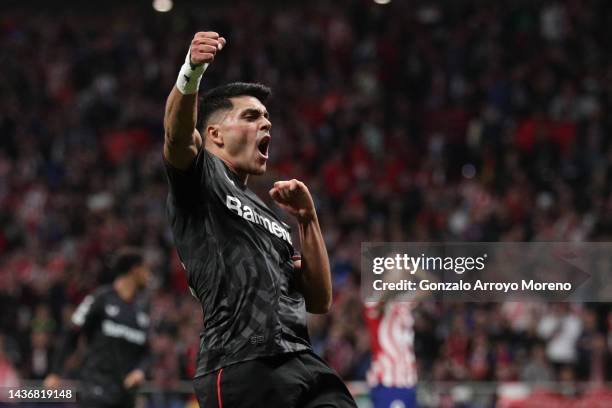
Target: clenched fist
{"type": "Point", "coordinates": [293, 196]}
{"type": "Point", "coordinates": [204, 47]}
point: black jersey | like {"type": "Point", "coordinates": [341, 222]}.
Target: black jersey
{"type": "Point", "coordinates": [238, 258]}
{"type": "Point", "coordinates": [117, 334]}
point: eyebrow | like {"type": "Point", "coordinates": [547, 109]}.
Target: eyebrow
{"type": "Point", "coordinates": [253, 111]}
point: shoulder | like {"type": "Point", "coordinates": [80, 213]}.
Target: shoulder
{"type": "Point", "coordinates": [89, 307]}
{"type": "Point", "coordinates": [143, 301]}
{"type": "Point", "coordinates": [204, 167]}
{"type": "Point", "coordinates": [103, 292]}
{"type": "Point", "coordinates": [96, 298]}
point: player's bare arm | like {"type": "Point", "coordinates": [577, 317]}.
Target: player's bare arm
{"type": "Point", "coordinates": [315, 278]}
{"type": "Point", "coordinates": [182, 141]}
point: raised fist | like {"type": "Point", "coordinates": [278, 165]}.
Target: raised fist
{"type": "Point", "coordinates": [293, 196]}
{"type": "Point", "coordinates": [204, 47]}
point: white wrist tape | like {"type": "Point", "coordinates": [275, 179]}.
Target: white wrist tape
{"type": "Point", "coordinates": [188, 81]}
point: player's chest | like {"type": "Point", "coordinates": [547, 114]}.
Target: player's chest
{"type": "Point", "coordinates": [240, 211]}
{"type": "Point", "coordinates": [125, 321]}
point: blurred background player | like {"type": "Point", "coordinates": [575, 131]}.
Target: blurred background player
{"type": "Point", "coordinates": [238, 255]}
{"type": "Point", "coordinates": [115, 321]}
{"type": "Point", "coordinates": [392, 376]}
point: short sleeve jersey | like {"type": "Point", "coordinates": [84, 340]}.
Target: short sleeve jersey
{"type": "Point", "coordinates": [238, 259]}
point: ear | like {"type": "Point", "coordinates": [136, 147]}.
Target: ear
{"type": "Point", "coordinates": [213, 133]}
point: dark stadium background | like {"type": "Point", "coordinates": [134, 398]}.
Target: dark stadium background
{"type": "Point", "coordinates": [412, 121]}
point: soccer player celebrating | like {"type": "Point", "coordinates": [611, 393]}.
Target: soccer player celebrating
{"type": "Point", "coordinates": [238, 256]}
{"type": "Point", "coordinates": [115, 321]}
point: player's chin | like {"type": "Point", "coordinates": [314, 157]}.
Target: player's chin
{"type": "Point", "coordinates": [259, 169]}
{"type": "Point", "coordinates": [258, 165]}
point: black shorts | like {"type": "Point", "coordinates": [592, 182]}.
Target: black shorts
{"type": "Point", "coordinates": [295, 380]}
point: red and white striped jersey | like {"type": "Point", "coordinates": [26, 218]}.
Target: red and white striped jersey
{"type": "Point", "coordinates": [392, 343]}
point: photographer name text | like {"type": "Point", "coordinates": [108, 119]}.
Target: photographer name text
{"type": "Point", "coordinates": [478, 285]}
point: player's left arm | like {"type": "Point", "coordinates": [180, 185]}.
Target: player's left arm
{"type": "Point", "coordinates": [315, 279]}
{"type": "Point", "coordinates": [137, 376]}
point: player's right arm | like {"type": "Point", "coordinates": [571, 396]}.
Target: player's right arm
{"type": "Point", "coordinates": [182, 141]}
{"type": "Point", "coordinates": [85, 317]}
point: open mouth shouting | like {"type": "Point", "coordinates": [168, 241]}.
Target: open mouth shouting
{"type": "Point", "coordinates": [263, 145]}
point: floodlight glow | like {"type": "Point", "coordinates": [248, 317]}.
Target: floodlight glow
{"type": "Point", "coordinates": [162, 6]}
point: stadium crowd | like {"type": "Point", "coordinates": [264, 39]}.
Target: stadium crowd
{"type": "Point", "coordinates": [412, 121]}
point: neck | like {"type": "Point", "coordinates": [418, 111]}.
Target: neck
{"type": "Point", "coordinates": [126, 288]}
{"type": "Point", "coordinates": [243, 176]}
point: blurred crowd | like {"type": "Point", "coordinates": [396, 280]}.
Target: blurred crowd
{"type": "Point", "coordinates": [411, 121]}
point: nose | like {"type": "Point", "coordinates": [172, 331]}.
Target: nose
{"type": "Point", "coordinates": [266, 124]}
